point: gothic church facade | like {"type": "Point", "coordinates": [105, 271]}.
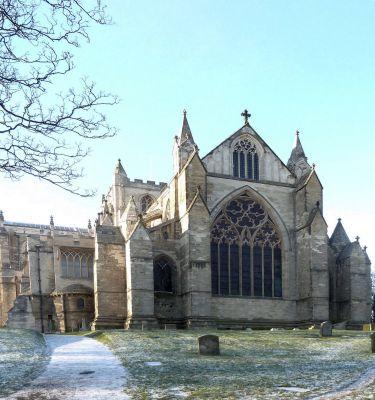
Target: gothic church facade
{"type": "Point", "coordinates": [236, 239]}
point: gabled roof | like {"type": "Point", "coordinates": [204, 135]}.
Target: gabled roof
{"type": "Point", "coordinates": [198, 196]}
{"type": "Point", "coordinates": [247, 128]}
{"type": "Point", "coordinates": [305, 179]}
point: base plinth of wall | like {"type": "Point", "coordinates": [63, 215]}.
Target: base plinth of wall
{"type": "Point", "coordinates": [102, 323]}
{"type": "Point", "coordinates": [141, 322]}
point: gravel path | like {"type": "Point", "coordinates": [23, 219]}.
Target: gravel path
{"type": "Point", "coordinates": [80, 368]}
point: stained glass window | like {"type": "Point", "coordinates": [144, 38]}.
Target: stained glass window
{"type": "Point", "coordinates": [246, 256]}
{"type": "Point", "coordinates": [245, 160]}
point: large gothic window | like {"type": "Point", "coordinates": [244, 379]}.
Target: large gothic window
{"type": "Point", "coordinates": [245, 160]}
{"type": "Point", "coordinates": [76, 263]}
{"type": "Point", "coordinates": [163, 269]}
{"type": "Point", "coordinates": [246, 256]}
{"type": "Point", "coordinates": [146, 202]}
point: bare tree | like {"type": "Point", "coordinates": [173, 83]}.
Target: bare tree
{"type": "Point", "coordinates": [41, 131]}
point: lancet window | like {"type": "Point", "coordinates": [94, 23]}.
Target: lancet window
{"type": "Point", "coordinates": [246, 255]}
{"type": "Point", "coordinates": [163, 279]}
{"type": "Point", "coordinates": [76, 263]}
{"type": "Point", "coordinates": [245, 160]}
{"type": "Point", "coordinates": [146, 202]}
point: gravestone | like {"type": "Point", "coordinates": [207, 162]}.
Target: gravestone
{"type": "Point", "coordinates": [209, 345]}
{"type": "Point", "coordinates": [372, 336]}
{"type": "Point", "coordinates": [325, 329]}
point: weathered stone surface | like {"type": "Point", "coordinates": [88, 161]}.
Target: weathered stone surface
{"type": "Point", "coordinates": [209, 345]}
{"type": "Point", "coordinates": [321, 279]}
{"type": "Point", "coordinates": [325, 329]}
{"type": "Point", "coordinates": [372, 337]}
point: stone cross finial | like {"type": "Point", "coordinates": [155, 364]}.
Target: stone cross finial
{"type": "Point", "coordinates": [246, 116]}
{"type": "Point", "coordinates": [297, 132]}
{"type": "Point", "coordinates": [51, 222]}
{"type": "Point", "coordinates": [357, 238]}
{"type": "Point", "coordinates": [339, 220]}
{"type": "Point", "coordinates": [89, 224]}
{"type": "Point", "coordinates": [185, 112]}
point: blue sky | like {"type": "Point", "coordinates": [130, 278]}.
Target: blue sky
{"type": "Point", "coordinates": [306, 65]}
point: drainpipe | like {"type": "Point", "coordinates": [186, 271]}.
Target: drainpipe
{"type": "Point", "coordinates": [40, 287]}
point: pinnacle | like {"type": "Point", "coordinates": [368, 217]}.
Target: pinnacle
{"type": "Point", "coordinates": [119, 168]}
{"type": "Point", "coordinates": [185, 131]}
{"type": "Point", "coordinates": [298, 161]}
{"type": "Point", "coordinates": [339, 238]}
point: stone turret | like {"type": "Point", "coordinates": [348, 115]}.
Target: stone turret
{"type": "Point", "coordinates": [297, 162]}
{"type": "Point", "coordinates": [339, 239]}
{"type": "Point", "coordinates": [184, 146]}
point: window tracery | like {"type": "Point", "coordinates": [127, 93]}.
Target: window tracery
{"type": "Point", "coordinates": [146, 202]}
{"type": "Point", "coordinates": [76, 263]}
{"type": "Point", "coordinates": [245, 160]}
{"type": "Point", "coordinates": [246, 257]}
{"type": "Point", "coordinates": [163, 275]}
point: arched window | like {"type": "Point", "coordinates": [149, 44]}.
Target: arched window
{"type": "Point", "coordinates": [80, 303]}
{"type": "Point", "coordinates": [246, 257]}
{"type": "Point", "coordinates": [163, 275]}
{"type": "Point", "coordinates": [76, 263]}
{"type": "Point", "coordinates": [146, 202]}
{"type": "Point", "coordinates": [245, 160]}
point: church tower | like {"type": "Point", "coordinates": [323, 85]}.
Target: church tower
{"type": "Point", "coordinates": [350, 281]}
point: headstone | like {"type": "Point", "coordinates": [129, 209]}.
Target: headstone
{"type": "Point", "coordinates": [325, 329]}
{"type": "Point", "coordinates": [372, 336]}
{"type": "Point", "coordinates": [209, 345]}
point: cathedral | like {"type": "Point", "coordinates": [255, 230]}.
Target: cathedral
{"type": "Point", "coordinates": [236, 239]}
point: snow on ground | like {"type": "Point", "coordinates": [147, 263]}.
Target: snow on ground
{"type": "Point", "coordinates": [80, 368]}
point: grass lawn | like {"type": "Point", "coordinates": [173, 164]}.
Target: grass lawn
{"type": "Point", "coordinates": [23, 355]}
{"type": "Point", "coordinates": [252, 365]}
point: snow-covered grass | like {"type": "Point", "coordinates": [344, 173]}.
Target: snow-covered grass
{"type": "Point", "coordinates": [252, 364]}
{"type": "Point", "coordinates": [23, 355]}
